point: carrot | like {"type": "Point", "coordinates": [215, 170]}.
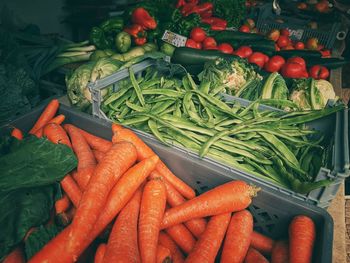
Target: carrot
{"type": "Point", "coordinates": [65, 218]}
{"type": "Point", "coordinates": [167, 242]}
{"type": "Point", "coordinates": [163, 254]}
{"type": "Point", "coordinates": [174, 198]}
{"type": "Point", "coordinates": [100, 253]}
{"type": "Point", "coordinates": [262, 243]}
{"type": "Point", "coordinates": [210, 241]}
{"type": "Point", "coordinates": [56, 134]}
{"type": "Point", "coordinates": [16, 256]}
{"type": "Point", "coordinates": [143, 151]}
{"type": "Point", "coordinates": [230, 197]}
{"type": "Point", "coordinates": [280, 252]}
{"type": "Point", "coordinates": [86, 158]}
{"type": "Point", "coordinates": [72, 190]}
{"type": "Point", "coordinates": [117, 160]}
{"type": "Point", "coordinates": [238, 237]}
{"type": "Point", "coordinates": [182, 237]}
{"type": "Point", "coordinates": [98, 155]}
{"type": "Point", "coordinates": [17, 133]}
{"type": "Point", "coordinates": [59, 119]}
{"type": "Point", "coordinates": [254, 256]}
{"type": "Point", "coordinates": [62, 204]}
{"type": "Point", "coordinates": [122, 243]}
{"type": "Point", "coordinates": [95, 142]}
{"type": "Point", "coordinates": [302, 233]}
{"type": "Point", "coordinates": [48, 113]}
{"type": "Point", "coordinates": [151, 214]}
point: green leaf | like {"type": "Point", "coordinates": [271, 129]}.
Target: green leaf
{"type": "Point", "coordinates": [39, 238]}
{"type": "Point", "coordinates": [35, 162]}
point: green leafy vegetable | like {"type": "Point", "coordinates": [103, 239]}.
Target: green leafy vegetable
{"type": "Point", "coordinates": [233, 11]}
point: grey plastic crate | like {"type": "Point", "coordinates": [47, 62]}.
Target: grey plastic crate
{"type": "Point", "coordinates": [272, 211]}
{"type": "Point", "coordinates": [330, 125]}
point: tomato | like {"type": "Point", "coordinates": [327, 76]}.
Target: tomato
{"type": "Point", "coordinates": [225, 48]}
{"type": "Point", "coordinates": [289, 47]}
{"type": "Point", "coordinates": [257, 58]}
{"type": "Point", "coordinates": [293, 70]}
{"type": "Point", "coordinates": [243, 51]}
{"type": "Point", "coordinates": [322, 7]}
{"type": "Point", "coordinates": [319, 72]}
{"type": "Point", "coordinates": [299, 45]}
{"type": "Point", "coordinates": [211, 48]}
{"type": "Point", "coordinates": [191, 43]}
{"type": "Point", "coordinates": [209, 42]}
{"type": "Point", "coordinates": [285, 32]}
{"type": "Point", "coordinates": [266, 58]}
{"type": "Point", "coordinates": [198, 45]}
{"type": "Point", "coordinates": [283, 41]}
{"type": "Point", "coordinates": [274, 64]}
{"type": "Point", "coordinates": [245, 29]}
{"type": "Point", "coordinates": [320, 46]}
{"type": "Point", "coordinates": [198, 34]}
{"type": "Point", "coordinates": [326, 53]}
{"type": "Point", "coordinates": [277, 48]}
{"type": "Point", "coordinates": [297, 60]}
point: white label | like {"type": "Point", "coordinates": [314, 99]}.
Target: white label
{"type": "Point", "coordinates": [174, 39]}
{"type": "Point", "coordinates": [296, 33]}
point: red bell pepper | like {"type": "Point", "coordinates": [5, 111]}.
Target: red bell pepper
{"type": "Point", "coordinates": [209, 20]}
{"type": "Point", "coordinates": [218, 27]}
{"type": "Point", "coordinates": [206, 14]}
{"type": "Point", "coordinates": [142, 17]}
{"type": "Point", "coordinates": [187, 8]}
{"type": "Point", "coordinates": [199, 9]}
{"type": "Point", "coordinates": [139, 41]}
{"type": "Point", "coordinates": [135, 30]}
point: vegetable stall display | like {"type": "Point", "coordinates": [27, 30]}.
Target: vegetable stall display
{"type": "Point", "coordinates": [119, 188]}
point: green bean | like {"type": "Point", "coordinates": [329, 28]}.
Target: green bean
{"type": "Point", "coordinates": [136, 87]}
{"type": "Point", "coordinates": [193, 85]}
{"type": "Point", "coordinates": [159, 99]}
{"type": "Point", "coordinates": [135, 120]}
{"type": "Point", "coordinates": [154, 129]}
{"type": "Point", "coordinates": [217, 90]}
{"type": "Point", "coordinates": [204, 86]}
{"type": "Point", "coordinates": [116, 95]}
{"type": "Point", "coordinates": [165, 92]}
{"type": "Point", "coordinates": [135, 107]}
{"type": "Point", "coordinates": [125, 111]}
{"type": "Point", "coordinates": [150, 83]}
{"type": "Point", "coordinates": [247, 136]}
{"type": "Point", "coordinates": [185, 83]}
{"type": "Point", "coordinates": [279, 103]}
{"type": "Point", "coordinates": [159, 107]}
{"type": "Point", "coordinates": [177, 111]}
{"type": "Point", "coordinates": [115, 106]}
{"type": "Point", "coordinates": [168, 84]}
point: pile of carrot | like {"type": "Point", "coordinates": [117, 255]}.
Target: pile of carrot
{"type": "Point", "coordinates": [123, 190]}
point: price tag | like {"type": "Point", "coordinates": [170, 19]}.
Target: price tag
{"type": "Point", "coordinates": [296, 33]}
{"type": "Point", "coordinates": [174, 39]}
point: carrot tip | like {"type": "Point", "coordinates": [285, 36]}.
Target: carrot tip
{"type": "Point", "coordinates": [253, 190]}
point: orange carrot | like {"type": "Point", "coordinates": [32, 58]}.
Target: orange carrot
{"type": "Point", "coordinates": [65, 218]}
{"type": "Point", "coordinates": [182, 237]}
{"type": "Point", "coordinates": [72, 190]}
{"type": "Point", "coordinates": [280, 252]}
{"type": "Point", "coordinates": [116, 162]}
{"type": "Point", "coordinates": [48, 113]}
{"type": "Point", "coordinates": [143, 151]}
{"type": "Point", "coordinates": [16, 256]}
{"type": "Point", "coordinates": [254, 256]}
{"type": "Point", "coordinates": [98, 155]}
{"type": "Point", "coordinates": [56, 134]}
{"type": "Point", "coordinates": [95, 142]}
{"type": "Point", "coordinates": [230, 197]}
{"type": "Point", "coordinates": [174, 198]}
{"type": "Point", "coordinates": [238, 237]}
{"type": "Point", "coordinates": [167, 242]}
{"type": "Point", "coordinates": [62, 204]}
{"type": "Point", "coordinates": [17, 133]}
{"type": "Point", "coordinates": [100, 253]}
{"type": "Point", "coordinates": [122, 243]}
{"type": "Point", "coordinates": [302, 234]}
{"type": "Point", "coordinates": [59, 119]}
{"type": "Point", "coordinates": [151, 214]}
{"type": "Point", "coordinates": [86, 158]}
{"type": "Point", "coordinates": [163, 254]}
{"type": "Point", "coordinates": [262, 243]}
{"type": "Point", "coordinates": [210, 241]}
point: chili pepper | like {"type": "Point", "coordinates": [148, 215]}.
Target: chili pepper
{"type": "Point", "coordinates": [209, 20]}
{"type": "Point", "coordinates": [217, 20]}
{"type": "Point", "coordinates": [200, 9]}
{"type": "Point", "coordinates": [180, 3]}
{"type": "Point", "coordinates": [206, 14]}
{"type": "Point", "coordinates": [187, 8]}
{"type": "Point", "coordinates": [218, 27]}
{"type": "Point", "coordinates": [139, 41]}
{"type": "Point", "coordinates": [135, 30]}
{"type": "Point", "coordinates": [193, 2]}
{"type": "Point", "coordinates": [142, 17]}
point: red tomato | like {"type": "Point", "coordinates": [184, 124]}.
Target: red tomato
{"type": "Point", "coordinates": [277, 48]}
{"type": "Point", "coordinates": [266, 58]}
{"type": "Point", "coordinates": [243, 51]}
{"type": "Point", "coordinates": [319, 72]}
{"type": "Point", "coordinates": [245, 29]}
{"type": "Point", "coordinates": [298, 60]}
{"type": "Point", "coordinates": [199, 45]}
{"type": "Point", "coordinates": [274, 64]}
{"type": "Point", "coordinates": [283, 41]}
{"type": "Point", "coordinates": [326, 53]}
{"type": "Point", "coordinates": [209, 42]}
{"type": "Point", "coordinates": [285, 32]}
{"type": "Point", "coordinates": [299, 45]}
{"type": "Point", "coordinates": [225, 48]}
{"type": "Point", "coordinates": [191, 43]}
{"type": "Point", "coordinates": [211, 48]}
{"type": "Point", "coordinates": [320, 46]}
{"type": "Point", "coordinates": [257, 58]}
{"type": "Point", "coordinates": [289, 47]}
{"type": "Point", "coordinates": [198, 34]}
{"type": "Point", "coordinates": [293, 70]}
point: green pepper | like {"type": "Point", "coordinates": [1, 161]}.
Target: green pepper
{"type": "Point", "coordinates": [99, 39]}
{"type": "Point", "coordinates": [112, 25]}
{"type": "Point", "coordinates": [122, 42]}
